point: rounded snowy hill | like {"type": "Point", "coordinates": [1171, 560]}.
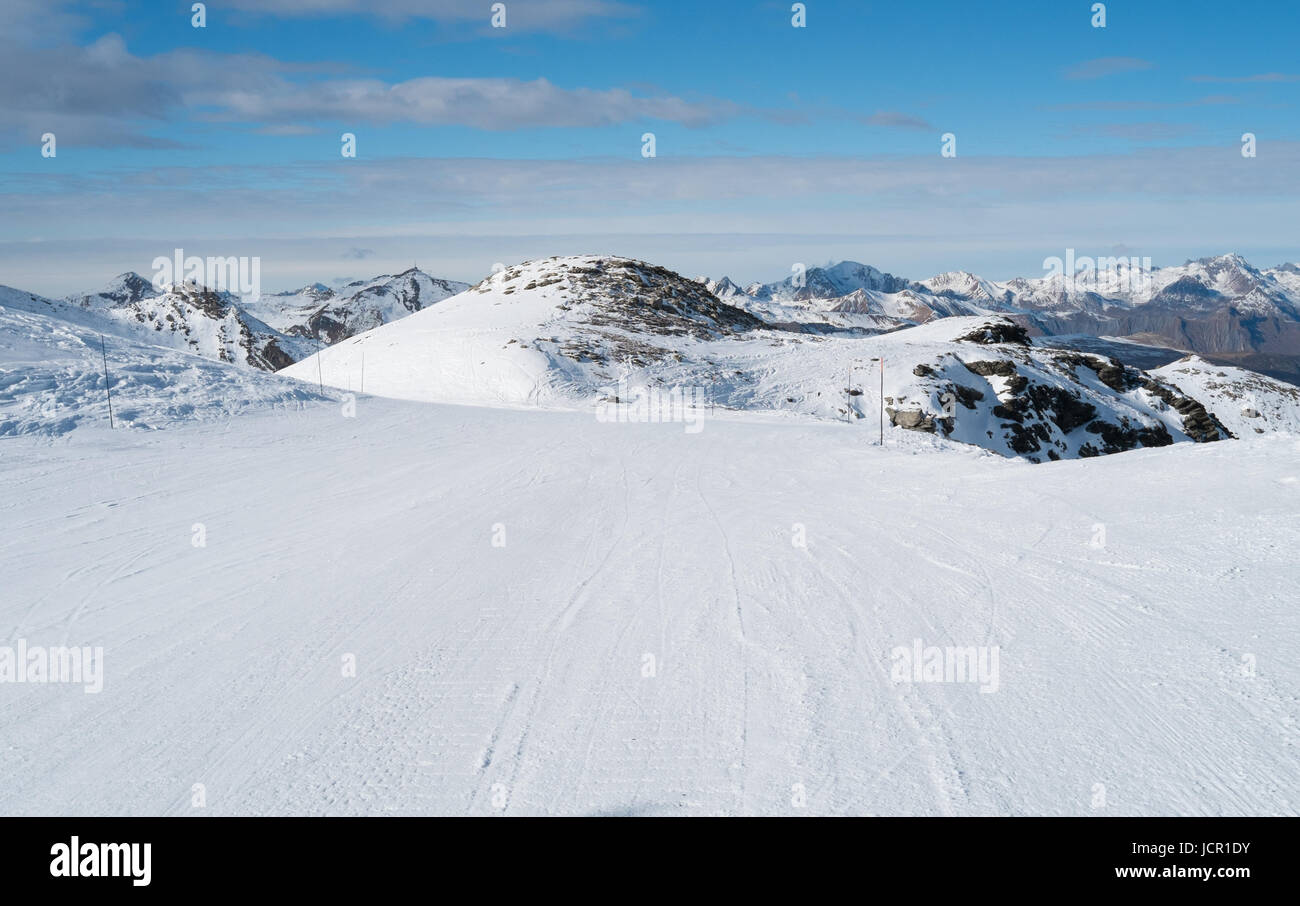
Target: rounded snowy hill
{"type": "Point", "coordinates": [542, 332]}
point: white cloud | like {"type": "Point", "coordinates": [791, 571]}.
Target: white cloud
{"type": "Point", "coordinates": [483, 103]}
{"type": "Point", "coordinates": [102, 95]}
{"type": "Point", "coordinates": [1105, 66]}
{"type": "Point", "coordinates": [522, 15]}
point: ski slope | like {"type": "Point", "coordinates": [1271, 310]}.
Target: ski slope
{"type": "Point", "coordinates": [512, 680]}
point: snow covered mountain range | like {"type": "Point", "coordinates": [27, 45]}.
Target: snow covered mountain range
{"type": "Point", "coordinates": [326, 315]}
{"type": "Point", "coordinates": [1221, 307]}
{"type": "Point", "coordinates": [622, 336]}
{"type": "Point", "coordinates": [964, 359]}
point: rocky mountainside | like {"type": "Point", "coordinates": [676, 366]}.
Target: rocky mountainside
{"type": "Point", "coordinates": [990, 386]}
{"type": "Point", "coordinates": [179, 316]}
{"type": "Point", "coordinates": [542, 332]}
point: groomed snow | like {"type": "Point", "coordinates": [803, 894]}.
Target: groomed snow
{"type": "Point", "coordinates": [512, 679]}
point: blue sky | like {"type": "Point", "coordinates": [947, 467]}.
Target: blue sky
{"type": "Point", "coordinates": [774, 144]}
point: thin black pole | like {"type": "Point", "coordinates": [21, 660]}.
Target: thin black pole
{"type": "Point", "coordinates": [103, 355]}
{"type": "Point", "coordinates": [882, 400]}
{"type": "Point", "coordinates": [320, 380]}
{"type": "Point", "coordinates": [848, 396]}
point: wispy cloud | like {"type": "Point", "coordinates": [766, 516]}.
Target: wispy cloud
{"type": "Point", "coordinates": [483, 103]}
{"type": "Point", "coordinates": [1210, 100]}
{"type": "Point", "coordinates": [407, 194]}
{"type": "Point", "coordinates": [1241, 80]}
{"type": "Point", "coordinates": [895, 120]}
{"type": "Point", "coordinates": [1137, 132]}
{"type": "Point", "coordinates": [1106, 66]}
{"type": "Point", "coordinates": [521, 15]}
{"type": "Point", "coordinates": [105, 96]}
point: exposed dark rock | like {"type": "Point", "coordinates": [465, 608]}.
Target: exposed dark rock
{"type": "Point", "coordinates": [1118, 438]}
{"type": "Point", "coordinates": [1068, 410]}
{"type": "Point", "coordinates": [1010, 410]}
{"type": "Point", "coordinates": [1198, 424]}
{"type": "Point", "coordinates": [1001, 367]}
{"type": "Point", "coordinates": [911, 419]}
{"type": "Point", "coordinates": [275, 357]}
{"type": "Point", "coordinates": [967, 396]}
{"type": "Point", "coordinates": [1115, 375]}
{"type": "Point", "coordinates": [1022, 440]}
{"type": "Point", "coordinates": [999, 331]}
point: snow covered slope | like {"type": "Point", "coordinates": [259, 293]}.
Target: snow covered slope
{"type": "Point", "coordinates": [552, 615]}
{"type": "Point", "coordinates": [597, 332]}
{"type": "Point", "coordinates": [52, 379]}
{"type": "Point", "coordinates": [1246, 402]}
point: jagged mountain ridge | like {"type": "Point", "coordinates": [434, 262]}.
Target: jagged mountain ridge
{"type": "Point", "coordinates": [323, 314]}
{"type": "Point", "coordinates": [180, 316]}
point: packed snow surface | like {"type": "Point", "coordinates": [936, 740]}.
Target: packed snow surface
{"type": "Point", "coordinates": [553, 615]}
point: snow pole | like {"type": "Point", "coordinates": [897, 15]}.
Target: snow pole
{"type": "Point", "coordinates": [103, 356]}
{"type": "Point", "coordinates": [848, 397]}
{"type": "Point", "coordinates": [882, 400]}
{"type": "Point", "coordinates": [319, 379]}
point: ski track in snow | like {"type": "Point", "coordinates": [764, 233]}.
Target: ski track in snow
{"type": "Point", "coordinates": [509, 680]}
